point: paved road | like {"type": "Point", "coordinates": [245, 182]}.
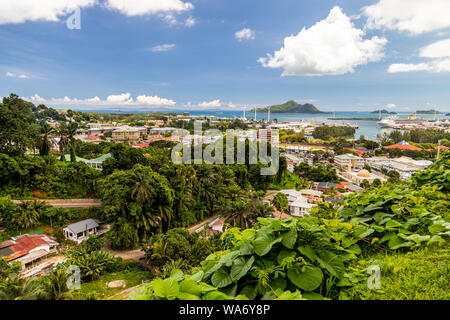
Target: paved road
{"type": "Point", "coordinates": [68, 203]}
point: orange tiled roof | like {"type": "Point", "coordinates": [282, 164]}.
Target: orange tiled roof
{"type": "Point", "coordinates": [403, 147]}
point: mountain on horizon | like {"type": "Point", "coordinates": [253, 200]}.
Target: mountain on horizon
{"type": "Point", "coordinates": [290, 107]}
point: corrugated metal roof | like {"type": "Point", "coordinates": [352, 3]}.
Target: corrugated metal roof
{"type": "Point", "coordinates": [82, 226]}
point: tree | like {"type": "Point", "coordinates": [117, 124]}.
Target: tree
{"type": "Point", "coordinates": [123, 236]}
{"type": "Point", "coordinates": [280, 201]}
{"type": "Point", "coordinates": [46, 131]}
{"type": "Point", "coordinates": [56, 285]}
{"type": "Point", "coordinates": [16, 131]}
{"type": "Point", "coordinates": [27, 215]}
{"type": "Point", "coordinates": [16, 288]}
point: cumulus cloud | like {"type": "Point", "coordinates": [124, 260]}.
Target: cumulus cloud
{"type": "Point", "coordinates": [163, 47]}
{"type": "Point", "coordinates": [19, 11]}
{"type": "Point", "coordinates": [332, 46]}
{"type": "Point", "coordinates": [390, 106]}
{"type": "Point", "coordinates": [245, 34]}
{"type": "Point", "coordinates": [148, 7]}
{"type": "Point", "coordinates": [413, 16]}
{"type": "Point", "coordinates": [154, 101]}
{"type": "Point", "coordinates": [438, 51]}
{"type": "Point", "coordinates": [124, 99]}
{"type": "Point", "coordinates": [211, 104]}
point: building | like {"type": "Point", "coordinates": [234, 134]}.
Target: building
{"type": "Point", "coordinates": [403, 146]}
{"type": "Point", "coordinates": [363, 175]}
{"type": "Point", "coordinates": [163, 131]}
{"type": "Point", "coordinates": [298, 205]}
{"type": "Point", "coordinates": [324, 186]}
{"type": "Point", "coordinates": [348, 162]}
{"type": "Point", "coordinates": [125, 134]}
{"type": "Point", "coordinates": [267, 135]}
{"type": "Point", "coordinates": [81, 231]}
{"type": "Point", "coordinates": [31, 250]}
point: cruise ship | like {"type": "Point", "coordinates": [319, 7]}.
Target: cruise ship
{"type": "Point", "coordinates": [395, 122]}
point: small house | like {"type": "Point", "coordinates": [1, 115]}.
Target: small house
{"type": "Point", "coordinates": [80, 231]}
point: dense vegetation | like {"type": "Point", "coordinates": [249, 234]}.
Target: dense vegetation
{"type": "Point", "coordinates": [327, 132]}
{"type": "Point", "coordinates": [317, 258]}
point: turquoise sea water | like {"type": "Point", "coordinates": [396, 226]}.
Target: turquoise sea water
{"type": "Point", "coordinates": [366, 127]}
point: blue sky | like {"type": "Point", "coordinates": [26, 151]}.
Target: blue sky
{"type": "Point", "coordinates": [202, 54]}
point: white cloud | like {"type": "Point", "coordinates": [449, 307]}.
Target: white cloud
{"type": "Point", "coordinates": [124, 99]}
{"type": "Point", "coordinates": [438, 51]}
{"type": "Point", "coordinates": [14, 75]}
{"type": "Point", "coordinates": [190, 22]}
{"type": "Point", "coordinates": [245, 34]}
{"type": "Point", "coordinates": [413, 16]}
{"type": "Point", "coordinates": [148, 7]}
{"type": "Point", "coordinates": [211, 104]}
{"type": "Point", "coordinates": [19, 11]}
{"type": "Point", "coordinates": [331, 47]}
{"type": "Point", "coordinates": [154, 101]}
{"type": "Point", "coordinates": [390, 106]}
{"type": "Point", "coordinates": [163, 47]}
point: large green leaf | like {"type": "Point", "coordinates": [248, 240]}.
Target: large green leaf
{"type": "Point", "coordinates": [307, 278]}
{"type": "Point", "coordinates": [168, 288]}
{"type": "Point", "coordinates": [288, 239]}
{"type": "Point", "coordinates": [396, 242]}
{"type": "Point", "coordinates": [332, 263]}
{"type": "Point", "coordinates": [240, 268]}
{"type": "Point", "coordinates": [221, 278]}
{"type": "Point", "coordinates": [264, 243]}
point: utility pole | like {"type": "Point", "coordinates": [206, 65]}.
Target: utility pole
{"type": "Point", "coordinates": [268, 116]}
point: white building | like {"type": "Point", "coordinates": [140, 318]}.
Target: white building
{"type": "Point", "coordinates": [298, 205]}
{"type": "Point", "coordinates": [80, 231]}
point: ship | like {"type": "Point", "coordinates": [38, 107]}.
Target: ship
{"type": "Point", "coordinates": [395, 122]}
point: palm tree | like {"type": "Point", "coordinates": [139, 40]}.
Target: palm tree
{"type": "Point", "coordinates": [141, 191]}
{"type": "Point", "coordinates": [71, 133]}
{"type": "Point", "coordinates": [61, 132]}
{"type": "Point", "coordinates": [27, 215]}
{"type": "Point", "coordinates": [21, 289]}
{"type": "Point", "coordinates": [44, 146]}
{"type": "Point", "coordinates": [56, 285]}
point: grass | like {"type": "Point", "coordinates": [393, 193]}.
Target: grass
{"type": "Point", "coordinates": [420, 275]}
{"type": "Point", "coordinates": [99, 290]}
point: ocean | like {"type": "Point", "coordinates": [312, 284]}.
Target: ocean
{"type": "Point", "coordinates": [368, 128]}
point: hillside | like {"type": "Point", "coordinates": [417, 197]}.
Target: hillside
{"type": "Point", "coordinates": [428, 112]}
{"type": "Point", "coordinates": [291, 107]}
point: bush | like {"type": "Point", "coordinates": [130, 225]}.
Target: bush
{"type": "Point", "coordinates": [123, 236]}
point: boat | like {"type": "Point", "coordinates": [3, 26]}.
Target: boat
{"type": "Point", "coordinates": [396, 123]}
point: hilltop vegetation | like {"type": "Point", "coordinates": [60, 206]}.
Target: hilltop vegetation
{"type": "Point", "coordinates": [291, 107]}
{"type": "Point", "coordinates": [431, 111]}
{"type": "Point", "coordinates": [384, 111]}
{"type": "Point", "coordinates": [317, 258]}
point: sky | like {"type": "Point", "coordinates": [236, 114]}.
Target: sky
{"type": "Point", "coordinates": [341, 55]}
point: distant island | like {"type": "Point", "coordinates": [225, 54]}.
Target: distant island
{"type": "Point", "coordinates": [448, 114]}
{"type": "Point", "coordinates": [291, 107]}
{"type": "Point", "coordinates": [428, 112]}
{"type": "Point", "coordinates": [384, 111]}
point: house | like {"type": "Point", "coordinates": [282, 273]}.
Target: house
{"type": "Point", "coordinates": [29, 249]}
{"type": "Point", "coordinates": [348, 162]}
{"type": "Point", "coordinates": [80, 231]}
{"type": "Point", "coordinates": [300, 208]}
{"type": "Point", "coordinates": [324, 186]}
{"type": "Point", "coordinates": [218, 225]}
{"type": "Point", "coordinates": [298, 205]}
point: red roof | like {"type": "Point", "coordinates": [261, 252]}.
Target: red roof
{"type": "Point", "coordinates": [155, 136]}
{"type": "Point", "coordinates": [26, 243]}
{"type": "Point", "coordinates": [276, 214]}
{"type": "Point", "coordinates": [140, 145]}
{"type": "Point", "coordinates": [93, 138]}
{"type": "Point", "coordinates": [443, 148]}
{"type": "Point", "coordinates": [403, 147]}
